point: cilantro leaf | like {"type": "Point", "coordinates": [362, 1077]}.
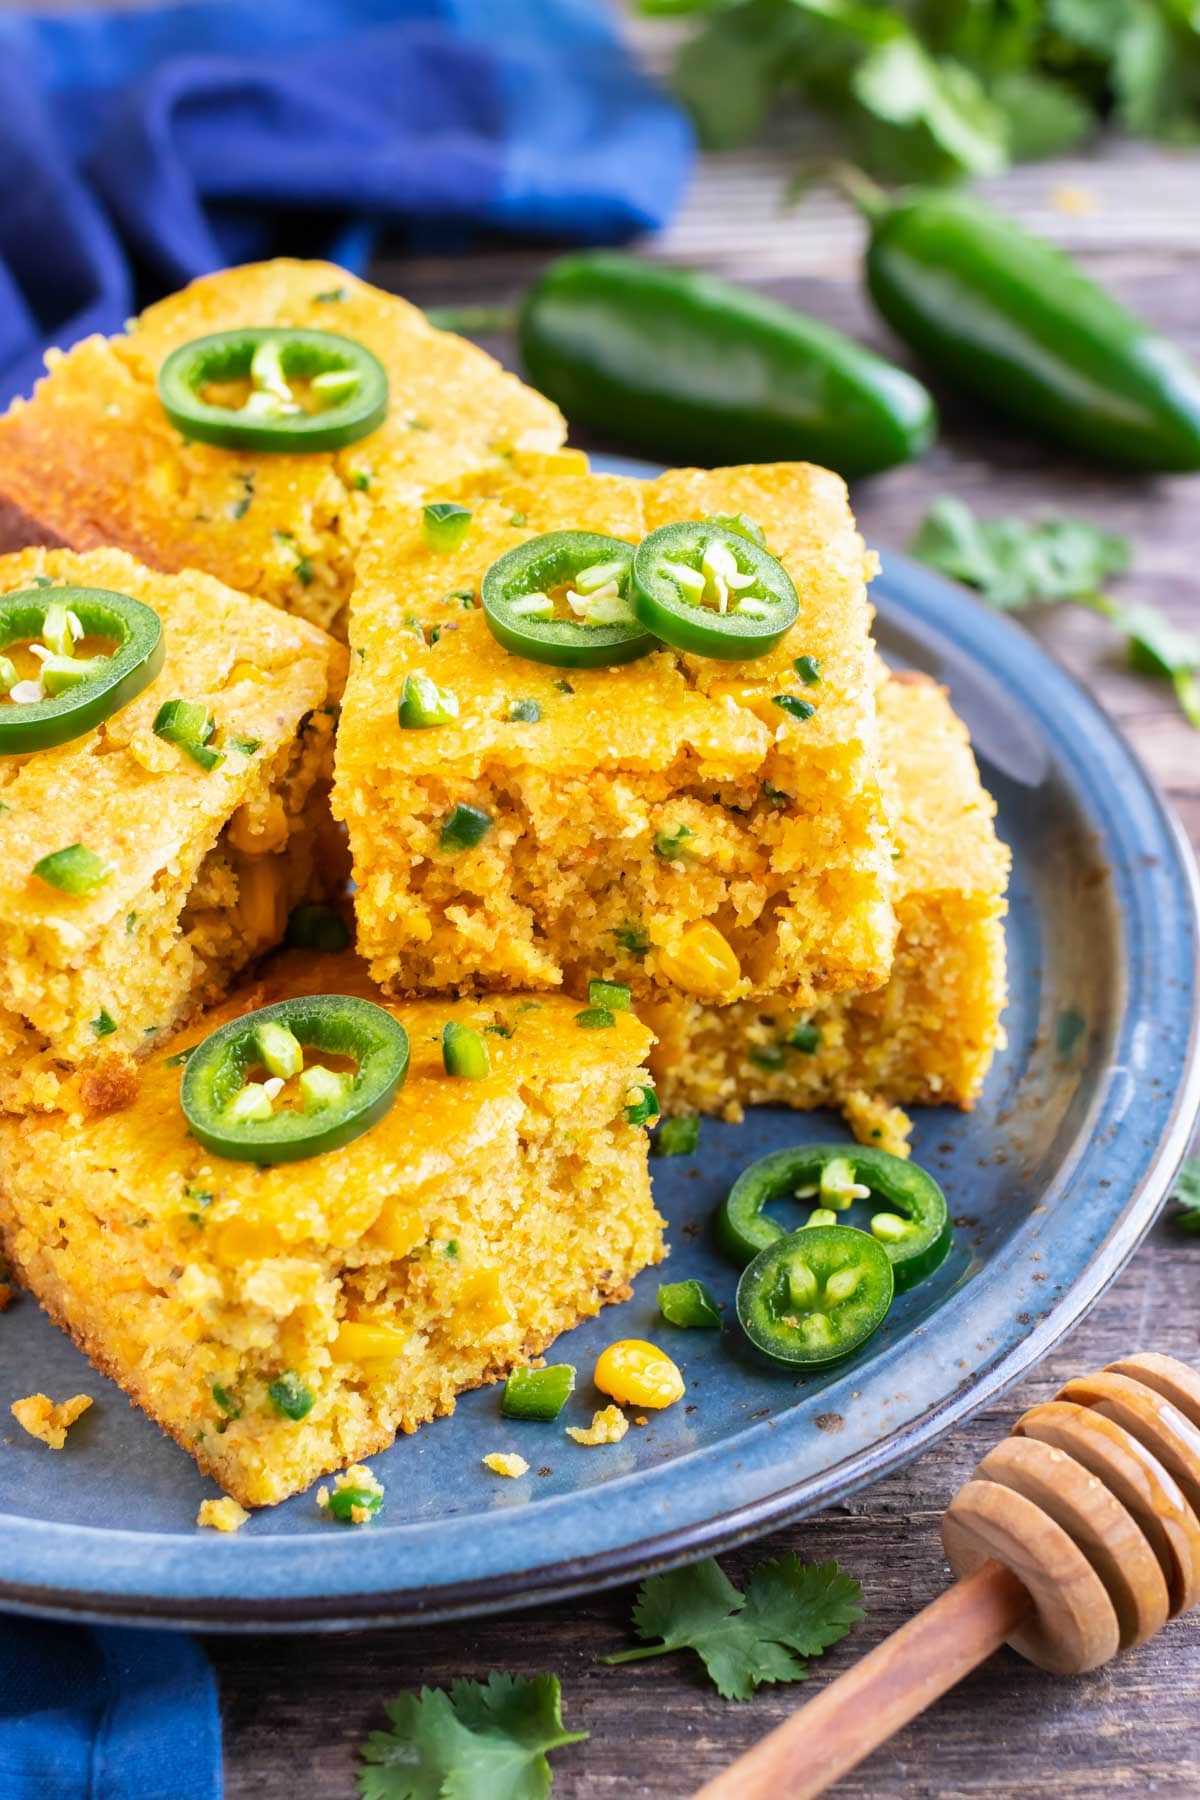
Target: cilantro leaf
{"type": "Point", "coordinates": [480, 1741]}
{"type": "Point", "coordinates": [789, 1610]}
{"type": "Point", "coordinates": [1014, 562]}
{"type": "Point", "coordinates": [900, 83]}
{"type": "Point", "coordinates": [941, 90]}
{"type": "Point", "coordinates": [1156, 646]}
{"type": "Point", "coordinates": [1043, 117]}
{"type": "Point", "coordinates": [724, 77]}
{"type": "Point", "coordinates": [1091, 24]}
{"type": "Point", "coordinates": [1187, 1193]}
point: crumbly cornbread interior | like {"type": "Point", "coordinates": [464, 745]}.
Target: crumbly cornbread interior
{"type": "Point", "coordinates": [648, 801]}
{"type": "Point", "coordinates": [204, 865]}
{"type": "Point", "coordinates": [468, 1228]}
{"type": "Point", "coordinates": [92, 459]}
{"type": "Point", "coordinates": [930, 1035]}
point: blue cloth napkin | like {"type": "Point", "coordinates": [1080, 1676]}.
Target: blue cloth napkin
{"type": "Point", "coordinates": [105, 1715]}
{"type": "Point", "coordinates": [140, 148]}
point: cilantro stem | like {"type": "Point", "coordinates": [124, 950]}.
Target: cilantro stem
{"type": "Point", "coordinates": [846, 179]}
{"type": "Point", "coordinates": [1187, 692]}
{"type": "Point", "coordinates": [640, 1654]}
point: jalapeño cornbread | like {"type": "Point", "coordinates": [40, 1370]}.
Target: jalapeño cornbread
{"type": "Point", "coordinates": [283, 1321]}
{"type": "Point", "coordinates": [666, 822]}
{"type": "Point", "coordinates": [172, 861]}
{"type": "Point", "coordinates": [928, 1036]}
{"type": "Point", "coordinates": [94, 459]}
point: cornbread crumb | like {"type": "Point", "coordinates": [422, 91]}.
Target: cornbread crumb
{"type": "Point", "coordinates": [358, 1480]}
{"type": "Point", "coordinates": [877, 1124]}
{"type": "Point", "coordinates": [42, 1418]}
{"type": "Point", "coordinates": [222, 1515]}
{"type": "Point", "coordinates": [608, 1426]}
{"type": "Point", "coordinates": [7, 1295]}
{"type": "Point", "coordinates": [506, 1465]}
{"type": "Point", "coordinates": [641, 1419]}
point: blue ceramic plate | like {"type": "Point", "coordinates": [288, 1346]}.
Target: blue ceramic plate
{"type": "Point", "coordinates": [1053, 1179]}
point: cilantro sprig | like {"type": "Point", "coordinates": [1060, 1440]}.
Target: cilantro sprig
{"type": "Point", "coordinates": [479, 1741]}
{"type": "Point", "coordinates": [789, 1611]}
{"type": "Point", "coordinates": [1187, 1194]}
{"type": "Point", "coordinates": [942, 88]}
{"type": "Point", "coordinates": [1015, 563]}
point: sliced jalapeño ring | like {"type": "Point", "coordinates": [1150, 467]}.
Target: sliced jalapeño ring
{"type": "Point", "coordinates": [708, 589]}
{"type": "Point", "coordinates": [815, 1295]}
{"type": "Point", "coordinates": [297, 390]}
{"type": "Point", "coordinates": [250, 1120]}
{"type": "Point", "coordinates": [565, 598]}
{"type": "Point", "coordinates": [69, 689]}
{"type": "Point", "coordinates": [914, 1227]}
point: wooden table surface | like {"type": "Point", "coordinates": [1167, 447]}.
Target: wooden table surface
{"type": "Point", "coordinates": [297, 1708]}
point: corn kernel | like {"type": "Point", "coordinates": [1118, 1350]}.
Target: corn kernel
{"type": "Point", "coordinates": [262, 901]}
{"type": "Point", "coordinates": [260, 832]}
{"type": "Point", "coordinates": [360, 1341]}
{"type": "Point", "coordinates": [702, 963]}
{"type": "Point", "coordinates": [397, 1231]}
{"type": "Point", "coordinates": [241, 1241]}
{"type": "Point", "coordinates": [481, 1302]}
{"type": "Point", "coordinates": [636, 1374]}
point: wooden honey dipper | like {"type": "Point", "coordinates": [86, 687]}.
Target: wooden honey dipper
{"type": "Point", "coordinates": [1078, 1536]}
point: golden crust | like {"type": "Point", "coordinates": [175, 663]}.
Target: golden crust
{"type": "Point", "coordinates": [471, 1225]}
{"type": "Point", "coordinates": [787, 850]}
{"type": "Point", "coordinates": [93, 459]}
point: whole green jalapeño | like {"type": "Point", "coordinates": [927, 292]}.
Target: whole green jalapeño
{"type": "Point", "coordinates": [565, 598]}
{"type": "Point", "coordinates": [708, 589]}
{"type": "Point", "coordinates": [287, 389]}
{"type": "Point", "coordinates": [87, 653]}
{"type": "Point", "coordinates": [249, 1094]}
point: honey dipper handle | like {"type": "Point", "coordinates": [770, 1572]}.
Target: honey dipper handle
{"type": "Point", "coordinates": [865, 1706]}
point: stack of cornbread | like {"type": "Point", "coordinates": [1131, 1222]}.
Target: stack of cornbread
{"type": "Point", "coordinates": [806, 908]}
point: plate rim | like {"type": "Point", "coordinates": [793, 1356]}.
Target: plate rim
{"type": "Point", "coordinates": [378, 1606]}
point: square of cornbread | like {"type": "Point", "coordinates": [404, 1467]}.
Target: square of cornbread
{"type": "Point", "coordinates": [782, 874]}
{"type": "Point", "coordinates": [931, 1033]}
{"type": "Point", "coordinates": [458, 1237]}
{"type": "Point", "coordinates": [93, 459]}
{"type": "Point", "coordinates": [203, 866]}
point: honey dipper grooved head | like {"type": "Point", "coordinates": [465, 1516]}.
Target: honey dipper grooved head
{"type": "Point", "coordinates": [1094, 1505]}
{"type": "Point", "coordinates": [1135, 1478]}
